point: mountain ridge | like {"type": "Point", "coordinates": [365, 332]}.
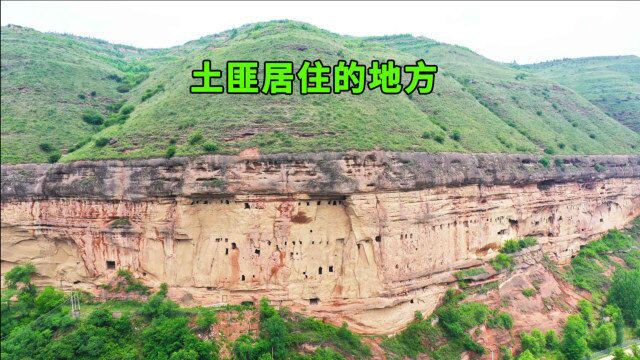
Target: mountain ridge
{"type": "Point", "coordinates": [478, 105]}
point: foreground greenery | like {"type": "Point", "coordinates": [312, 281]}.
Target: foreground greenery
{"type": "Point", "coordinates": [38, 325]}
{"type": "Point", "coordinates": [66, 98]}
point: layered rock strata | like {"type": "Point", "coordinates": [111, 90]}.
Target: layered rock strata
{"type": "Point", "coordinates": [367, 238]}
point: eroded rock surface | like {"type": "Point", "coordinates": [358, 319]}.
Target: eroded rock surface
{"type": "Point", "coordinates": [367, 238]}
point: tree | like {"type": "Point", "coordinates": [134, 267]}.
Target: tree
{"type": "Point", "coordinates": [20, 274]}
{"type": "Point", "coordinates": [24, 343]}
{"type": "Point", "coordinates": [625, 293]}
{"type": "Point", "coordinates": [620, 354]}
{"type": "Point", "coordinates": [276, 333]}
{"type": "Point", "coordinates": [534, 342]}
{"type": "Point", "coordinates": [166, 336]}
{"type": "Point", "coordinates": [574, 343]}
{"type": "Point", "coordinates": [551, 340]}
{"type": "Point", "coordinates": [615, 314]}
{"type": "Point", "coordinates": [48, 299]}
{"type": "Point", "coordinates": [603, 337]}
{"type": "Point", "coordinates": [206, 318]}
{"type": "Point", "coordinates": [526, 355]}
{"type": "Point", "coordinates": [586, 311]}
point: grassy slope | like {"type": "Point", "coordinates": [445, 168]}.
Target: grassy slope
{"type": "Point", "coordinates": [474, 96]}
{"type": "Point", "coordinates": [547, 114]}
{"type": "Point", "coordinates": [43, 77]}
{"type": "Point", "coordinates": [611, 83]}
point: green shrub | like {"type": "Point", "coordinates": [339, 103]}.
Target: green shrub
{"type": "Point", "coordinates": [54, 157]}
{"type": "Point", "coordinates": [80, 144]}
{"type": "Point", "coordinates": [549, 151]}
{"type": "Point", "coordinates": [456, 319]}
{"type": "Point", "coordinates": [46, 147]}
{"type": "Point", "coordinates": [603, 337]}
{"type": "Point", "coordinates": [211, 147]}
{"type": "Point", "coordinates": [467, 273]}
{"type": "Point", "coordinates": [206, 318]}
{"type": "Point", "coordinates": [195, 137]}
{"type": "Point", "coordinates": [456, 135]}
{"type": "Point", "coordinates": [586, 311]}
{"type": "Point", "coordinates": [545, 161]}
{"type": "Point", "coordinates": [505, 353]}
{"type": "Point", "coordinates": [121, 222]}
{"type": "Point", "coordinates": [502, 262]}
{"type": "Point", "coordinates": [526, 355]}
{"type": "Point", "coordinates": [528, 292]}
{"type": "Point", "coordinates": [534, 341]}
{"type": "Point", "coordinates": [115, 119]}
{"type": "Point", "coordinates": [171, 151]}
{"type": "Point", "coordinates": [102, 142]}
{"type": "Point", "coordinates": [127, 109]}
{"type": "Point", "coordinates": [501, 320]}
{"type": "Point", "coordinates": [439, 138]}
{"type": "Point", "coordinates": [574, 342]}
{"type": "Point", "coordinates": [558, 162]}
{"type": "Point", "coordinates": [625, 294]}
{"type": "Point", "coordinates": [20, 274]}
{"type": "Point", "coordinates": [512, 246]}
{"type": "Point", "coordinates": [92, 117]}
{"type": "Point", "coordinates": [426, 135]}
{"type": "Point", "coordinates": [151, 92]}
{"type": "Point", "coordinates": [115, 107]}
{"type": "Point", "coordinates": [551, 340]}
{"type": "Point", "coordinates": [599, 167]}
{"type": "Point", "coordinates": [124, 88]}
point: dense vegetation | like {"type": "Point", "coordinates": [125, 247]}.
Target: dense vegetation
{"type": "Point", "coordinates": [38, 325]}
{"type": "Point", "coordinates": [98, 100]}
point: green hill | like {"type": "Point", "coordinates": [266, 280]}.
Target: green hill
{"type": "Point", "coordinates": [610, 83]}
{"type": "Point", "coordinates": [477, 106]}
{"type": "Point", "coordinates": [49, 81]}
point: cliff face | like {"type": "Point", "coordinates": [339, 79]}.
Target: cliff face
{"type": "Point", "coordinates": [368, 238]}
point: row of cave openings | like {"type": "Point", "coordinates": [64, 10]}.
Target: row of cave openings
{"type": "Point", "coordinates": [247, 205]}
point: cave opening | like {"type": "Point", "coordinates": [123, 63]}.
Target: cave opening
{"type": "Point", "coordinates": [111, 264]}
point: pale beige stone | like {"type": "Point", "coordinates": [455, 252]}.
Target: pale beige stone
{"type": "Point", "coordinates": [383, 255]}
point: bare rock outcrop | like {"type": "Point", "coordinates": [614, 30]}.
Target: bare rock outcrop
{"type": "Point", "coordinates": [367, 238]}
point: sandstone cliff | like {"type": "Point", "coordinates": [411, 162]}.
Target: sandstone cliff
{"type": "Point", "coordinates": [364, 237]}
